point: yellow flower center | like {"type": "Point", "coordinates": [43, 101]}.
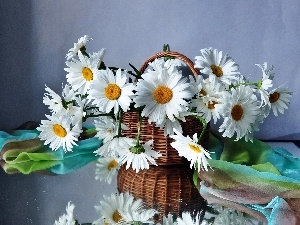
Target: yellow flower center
{"type": "Point", "coordinates": [117, 216]}
{"type": "Point", "coordinates": [217, 70]}
{"type": "Point", "coordinates": [195, 148]}
{"type": "Point", "coordinates": [87, 74]}
{"type": "Point", "coordinates": [162, 94]}
{"type": "Point", "coordinates": [274, 97]}
{"type": "Point", "coordinates": [59, 130]}
{"type": "Point", "coordinates": [112, 164]}
{"type": "Point", "coordinates": [211, 105]}
{"type": "Point", "coordinates": [237, 112]}
{"type": "Point", "coordinates": [203, 92]}
{"type": "Point", "coordinates": [112, 91]}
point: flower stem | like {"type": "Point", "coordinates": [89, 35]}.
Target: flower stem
{"type": "Point", "coordinates": [204, 125]}
{"type": "Point", "coordinates": [139, 129]}
{"type": "Point", "coordinates": [120, 123]}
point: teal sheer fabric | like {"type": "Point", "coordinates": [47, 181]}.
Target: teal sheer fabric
{"type": "Point", "coordinates": [254, 178]}
{"type": "Point", "coordinates": [23, 152]}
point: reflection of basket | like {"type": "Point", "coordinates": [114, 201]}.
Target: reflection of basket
{"type": "Point", "coordinates": [168, 189]}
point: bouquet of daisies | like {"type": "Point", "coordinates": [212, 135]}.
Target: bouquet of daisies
{"type": "Point", "coordinates": [162, 94]}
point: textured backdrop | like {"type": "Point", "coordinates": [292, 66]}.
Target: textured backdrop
{"type": "Point", "coordinates": [35, 36]}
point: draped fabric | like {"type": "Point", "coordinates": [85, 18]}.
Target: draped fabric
{"type": "Point", "coordinates": [254, 178]}
{"type": "Point", "coordinates": [23, 152]}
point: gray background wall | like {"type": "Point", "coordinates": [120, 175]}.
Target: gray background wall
{"type": "Point", "coordinates": [35, 36]}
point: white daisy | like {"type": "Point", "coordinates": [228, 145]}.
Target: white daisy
{"type": "Point", "coordinates": [187, 219]}
{"type": "Point", "coordinates": [111, 91]}
{"type": "Point", "coordinates": [265, 83]}
{"type": "Point", "coordinates": [68, 218]}
{"type": "Point", "coordinates": [115, 207]}
{"type": "Point", "coordinates": [191, 150]}
{"type": "Point", "coordinates": [106, 168]}
{"type": "Point", "coordinates": [81, 72]}
{"type": "Point", "coordinates": [77, 46]}
{"type": "Point", "coordinates": [206, 102]}
{"type": "Point", "coordinates": [140, 156]}
{"type": "Point", "coordinates": [115, 147]}
{"type": "Point", "coordinates": [106, 128]}
{"type": "Point", "coordinates": [240, 110]}
{"type": "Point", "coordinates": [55, 102]}
{"type": "Point", "coordinates": [170, 64]}
{"type": "Point", "coordinates": [162, 94]}
{"type": "Point", "coordinates": [59, 132]}
{"type": "Point", "coordinates": [279, 99]}
{"type": "Point", "coordinates": [217, 65]}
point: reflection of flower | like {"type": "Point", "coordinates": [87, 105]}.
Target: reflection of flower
{"type": "Point", "coordinates": [106, 168]}
{"type": "Point", "coordinates": [121, 208]}
{"type": "Point", "coordinates": [187, 219]}
{"type": "Point", "coordinates": [191, 150]}
{"type": "Point", "coordinates": [59, 132]}
{"type": "Point", "coordinates": [68, 218]}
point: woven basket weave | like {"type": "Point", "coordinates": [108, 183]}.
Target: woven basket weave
{"type": "Point", "coordinates": [167, 187]}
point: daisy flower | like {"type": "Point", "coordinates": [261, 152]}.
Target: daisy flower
{"type": "Point", "coordinates": [68, 218]}
{"type": "Point", "coordinates": [217, 65]}
{"type": "Point", "coordinates": [55, 102]}
{"type": "Point", "coordinates": [279, 99]}
{"type": "Point", "coordinates": [81, 72]}
{"type": "Point", "coordinates": [206, 102]}
{"type": "Point", "coordinates": [240, 110]}
{"type": "Point", "coordinates": [115, 207]}
{"type": "Point", "coordinates": [77, 46]}
{"type": "Point", "coordinates": [170, 64]}
{"type": "Point", "coordinates": [106, 128]}
{"type": "Point", "coordinates": [186, 219]}
{"type": "Point", "coordinates": [265, 83]}
{"type": "Point", "coordinates": [111, 91]}
{"type": "Point", "coordinates": [59, 132]}
{"type": "Point", "coordinates": [106, 168]}
{"type": "Point", "coordinates": [139, 156]}
{"type": "Point", "coordinates": [191, 150]}
{"type": "Point", "coordinates": [162, 94]}
{"type": "Point", "coordinates": [115, 147]}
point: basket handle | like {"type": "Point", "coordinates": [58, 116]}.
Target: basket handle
{"type": "Point", "coordinates": [177, 55]}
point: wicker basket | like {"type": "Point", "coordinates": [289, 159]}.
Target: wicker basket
{"type": "Point", "coordinates": [161, 143]}
{"type": "Point", "coordinates": [167, 187]}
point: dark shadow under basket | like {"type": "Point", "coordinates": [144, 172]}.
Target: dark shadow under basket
{"type": "Point", "coordinates": [168, 189]}
{"type": "Point", "coordinates": [161, 143]}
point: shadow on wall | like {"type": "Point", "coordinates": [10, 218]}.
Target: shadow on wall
{"type": "Point", "coordinates": [16, 61]}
